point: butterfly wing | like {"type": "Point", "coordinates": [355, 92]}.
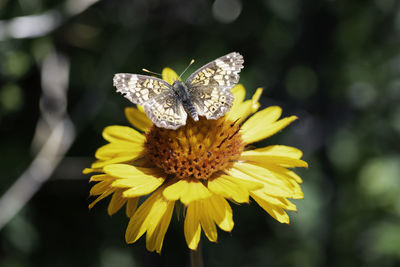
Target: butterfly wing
{"type": "Point", "coordinates": [210, 86]}
{"type": "Point", "coordinates": [155, 95]}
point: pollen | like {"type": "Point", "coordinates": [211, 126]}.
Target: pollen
{"type": "Point", "coordinates": [196, 150]}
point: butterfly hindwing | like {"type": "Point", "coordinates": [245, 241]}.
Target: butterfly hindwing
{"type": "Point", "coordinates": [166, 111]}
{"type": "Point", "coordinates": [155, 95]}
{"type": "Point", "coordinates": [210, 86]}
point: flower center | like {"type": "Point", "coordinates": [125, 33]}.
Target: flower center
{"type": "Point", "coordinates": [196, 150]}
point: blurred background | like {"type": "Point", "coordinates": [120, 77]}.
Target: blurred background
{"type": "Point", "coordinates": [335, 64]}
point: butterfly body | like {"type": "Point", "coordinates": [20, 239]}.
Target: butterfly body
{"type": "Point", "coordinates": [207, 92]}
{"type": "Point", "coordinates": [182, 93]}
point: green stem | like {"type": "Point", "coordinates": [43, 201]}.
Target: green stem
{"type": "Point", "coordinates": [196, 257]}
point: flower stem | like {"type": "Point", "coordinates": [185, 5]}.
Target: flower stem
{"type": "Point", "coordinates": [196, 257]}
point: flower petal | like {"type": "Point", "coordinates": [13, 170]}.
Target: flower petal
{"type": "Point", "coordinates": [186, 191]}
{"type": "Point", "coordinates": [131, 206]}
{"type": "Point", "coordinates": [206, 221]}
{"type": "Point", "coordinates": [105, 194]}
{"type": "Point", "coordinates": [156, 232]}
{"type": "Point", "coordinates": [220, 211]}
{"type": "Point", "coordinates": [125, 171]}
{"type": "Point", "coordinates": [276, 212]}
{"type": "Point", "coordinates": [271, 186]}
{"type": "Point", "coordinates": [279, 150]}
{"type": "Point", "coordinates": [229, 187]}
{"type": "Point", "coordinates": [118, 133]}
{"type": "Point", "coordinates": [138, 119]}
{"type": "Point", "coordinates": [90, 170]}
{"type": "Point", "coordinates": [154, 216]}
{"type": "Point", "coordinates": [169, 75]}
{"type": "Point", "coordinates": [275, 201]}
{"type": "Point", "coordinates": [239, 93]}
{"type": "Point", "coordinates": [116, 202]}
{"type": "Point", "coordinates": [101, 163]}
{"type": "Point", "coordinates": [248, 107]}
{"type": "Point", "coordinates": [140, 181]}
{"type": "Point", "coordinates": [101, 177]}
{"type": "Point", "coordinates": [192, 227]}
{"type": "Point", "coordinates": [291, 179]}
{"type": "Point", "coordinates": [262, 158]}
{"type": "Point", "coordinates": [263, 124]}
{"type": "Point", "coordinates": [100, 188]}
{"type": "Point", "coordinates": [119, 150]}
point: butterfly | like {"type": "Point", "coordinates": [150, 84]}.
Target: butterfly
{"type": "Point", "coordinates": [207, 92]}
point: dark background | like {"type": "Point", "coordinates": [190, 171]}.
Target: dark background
{"type": "Point", "coordinates": [335, 64]}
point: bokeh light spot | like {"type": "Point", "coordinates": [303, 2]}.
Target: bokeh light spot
{"type": "Point", "coordinates": [379, 179]}
{"type": "Point", "coordinates": [226, 11]}
{"type": "Point", "coordinates": [344, 150]}
{"type": "Point", "coordinates": [11, 97]}
{"type": "Point", "coordinates": [16, 64]}
{"type": "Point", "coordinates": [361, 94]}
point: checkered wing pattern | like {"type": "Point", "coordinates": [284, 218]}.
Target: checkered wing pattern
{"type": "Point", "coordinates": [210, 86]}
{"type": "Point", "coordinates": [155, 95]}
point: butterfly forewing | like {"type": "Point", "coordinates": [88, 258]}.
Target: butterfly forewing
{"type": "Point", "coordinates": [210, 86]}
{"type": "Point", "coordinates": [140, 88]}
{"type": "Point", "coordinates": [155, 95]}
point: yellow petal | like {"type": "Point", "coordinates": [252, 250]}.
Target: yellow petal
{"type": "Point", "coordinates": [275, 184]}
{"type": "Point", "coordinates": [125, 171]}
{"type": "Point", "coordinates": [239, 92]}
{"type": "Point", "coordinates": [140, 108]}
{"type": "Point", "coordinates": [154, 211]}
{"type": "Point", "coordinates": [192, 227]}
{"type": "Point", "coordinates": [156, 232]}
{"type": "Point", "coordinates": [263, 124]}
{"type": "Point", "coordinates": [169, 75]}
{"type": "Point", "coordinates": [140, 181]}
{"type": "Point", "coordinates": [225, 186]}
{"type": "Point", "coordinates": [142, 190]}
{"type": "Point", "coordinates": [206, 221]}
{"type": "Point", "coordinates": [186, 191]}
{"type": "Point", "coordinates": [138, 119]}
{"type": "Point", "coordinates": [262, 158]}
{"type": "Point", "coordinates": [220, 211]}
{"type": "Point", "coordinates": [277, 213]}
{"type": "Point", "coordinates": [101, 177]}
{"type": "Point", "coordinates": [118, 133]}
{"type": "Point", "coordinates": [105, 194]}
{"type": "Point", "coordinates": [101, 163]}
{"type": "Point", "coordinates": [99, 188]}
{"type": "Point", "coordinates": [131, 206]}
{"type": "Point", "coordinates": [119, 149]}
{"type": "Point", "coordinates": [90, 170]}
{"type": "Point", "coordinates": [263, 117]}
{"type": "Point", "coordinates": [289, 177]}
{"type": "Point", "coordinates": [275, 201]}
{"type": "Point", "coordinates": [279, 150]}
{"type": "Point", "coordinates": [246, 108]}
{"type": "Point", "coordinates": [116, 202]}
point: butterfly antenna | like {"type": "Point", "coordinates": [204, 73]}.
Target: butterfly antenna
{"type": "Point", "coordinates": [191, 62]}
{"type": "Point", "coordinates": [151, 72]}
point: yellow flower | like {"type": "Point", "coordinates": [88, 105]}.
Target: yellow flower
{"type": "Point", "coordinates": [201, 165]}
